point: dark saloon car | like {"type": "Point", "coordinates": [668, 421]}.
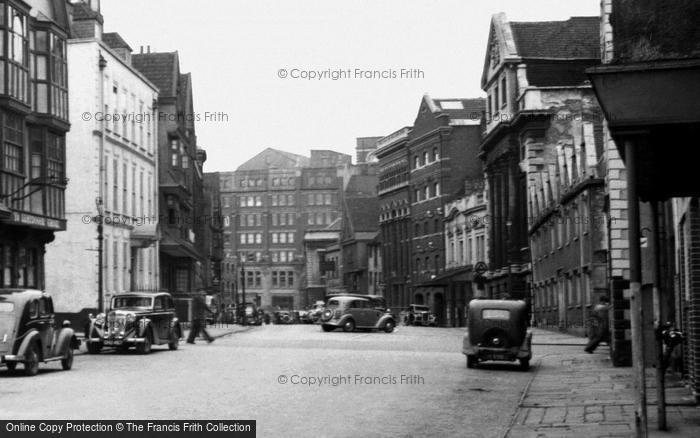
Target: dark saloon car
{"type": "Point", "coordinates": [351, 312]}
{"type": "Point", "coordinates": [136, 319]}
{"type": "Point", "coordinates": [497, 330]}
{"type": "Point", "coordinates": [29, 333]}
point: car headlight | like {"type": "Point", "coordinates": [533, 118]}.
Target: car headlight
{"type": "Point", "coordinates": [130, 318]}
{"type": "Point", "coordinates": [100, 320]}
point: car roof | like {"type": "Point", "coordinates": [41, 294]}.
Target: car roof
{"type": "Point", "coordinates": [497, 304]}
{"type": "Point", "coordinates": [141, 294]}
{"type": "Point", "coordinates": [22, 295]}
{"type": "Point", "coordinates": [369, 297]}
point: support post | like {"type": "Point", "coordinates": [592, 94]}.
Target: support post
{"type": "Point", "coordinates": [636, 307]}
{"type": "Point", "coordinates": [658, 304]}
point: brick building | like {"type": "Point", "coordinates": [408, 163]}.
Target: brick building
{"type": "Point", "coordinates": [394, 193]}
{"type": "Point", "coordinates": [112, 171]}
{"type": "Point", "coordinates": [442, 153]}
{"type": "Point", "coordinates": [272, 201]}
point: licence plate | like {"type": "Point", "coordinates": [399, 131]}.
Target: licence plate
{"type": "Point", "coordinates": [112, 342]}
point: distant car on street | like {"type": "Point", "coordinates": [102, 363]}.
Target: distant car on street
{"type": "Point", "coordinates": [351, 312]}
{"type": "Point", "coordinates": [314, 313]}
{"type": "Point", "coordinates": [135, 319]}
{"type": "Point", "coordinates": [418, 314]}
{"type": "Point", "coordinates": [30, 334]}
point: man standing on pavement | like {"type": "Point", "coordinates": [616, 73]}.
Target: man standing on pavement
{"type": "Point", "coordinates": [199, 318]}
{"type": "Point", "coordinates": [599, 331]}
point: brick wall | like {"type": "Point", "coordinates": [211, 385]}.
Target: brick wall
{"type": "Point", "coordinates": [693, 282]}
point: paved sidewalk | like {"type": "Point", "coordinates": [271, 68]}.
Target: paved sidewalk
{"type": "Point", "coordinates": [575, 394]}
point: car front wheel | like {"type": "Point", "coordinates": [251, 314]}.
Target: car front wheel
{"type": "Point", "coordinates": [145, 346]}
{"type": "Point", "coordinates": [525, 364]}
{"type": "Point", "coordinates": [327, 328]}
{"type": "Point", "coordinates": [11, 366]}
{"type": "Point", "coordinates": [174, 339]}
{"type": "Point", "coordinates": [349, 325]}
{"type": "Point", "coordinates": [67, 362]}
{"type": "Point", "coordinates": [94, 347]}
{"type": "Point", "coordinates": [389, 326]}
{"type": "Point", "coordinates": [31, 364]}
{"type": "Point", "coordinates": [471, 361]}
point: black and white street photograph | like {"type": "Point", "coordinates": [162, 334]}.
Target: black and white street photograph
{"type": "Point", "coordinates": [334, 218]}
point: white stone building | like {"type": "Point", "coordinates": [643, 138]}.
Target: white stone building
{"type": "Point", "coordinates": [112, 159]}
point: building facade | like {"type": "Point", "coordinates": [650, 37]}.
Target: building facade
{"type": "Point", "coordinates": [34, 118]}
{"type": "Point", "coordinates": [182, 264]}
{"type": "Point", "coordinates": [442, 153]}
{"type": "Point", "coordinates": [393, 191]}
{"type": "Point", "coordinates": [465, 247]}
{"type": "Point", "coordinates": [648, 137]}
{"type": "Point", "coordinates": [112, 168]}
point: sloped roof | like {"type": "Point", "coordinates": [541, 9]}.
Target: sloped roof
{"type": "Point", "coordinates": [82, 11]}
{"type": "Point", "coordinates": [577, 37]}
{"type": "Point", "coordinates": [362, 186]}
{"type": "Point", "coordinates": [274, 158]}
{"type": "Point", "coordinates": [363, 214]}
{"type": "Point", "coordinates": [162, 69]}
{"type": "Point", "coordinates": [459, 108]}
{"type": "Point", "coordinates": [115, 41]}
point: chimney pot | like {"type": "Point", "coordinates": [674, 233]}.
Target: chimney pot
{"type": "Point", "coordinates": [149, 49]}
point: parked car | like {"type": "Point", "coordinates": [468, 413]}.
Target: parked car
{"type": "Point", "coordinates": [316, 310]}
{"type": "Point", "coordinates": [284, 317]}
{"type": "Point", "coordinates": [30, 334]}
{"type": "Point", "coordinates": [136, 319]}
{"type": "Point", "coordinates": [497, 330]}
{"type": "Point", "coordinates": [253, 315]}
{"type": "Point", "coordinates": [417, 314]}
{"type": "Point", "coordinates": [356, 311]}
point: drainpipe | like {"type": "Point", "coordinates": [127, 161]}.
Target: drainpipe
{"type": "Point", "coordinates": [636, 308]}
{"type": "Point", "coordinates": [102, 63]}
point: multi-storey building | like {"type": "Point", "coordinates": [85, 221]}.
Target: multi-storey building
{"type": "Point", "coordinates": [465, 247]}
{"type": "Point", "coordinates": [34, 121]}
{"type": "Point", "coordinates": [180, 175]}
{"type": "Point", "coordinates": [518, 72]}
{"type": "Point", "coordinates": [112, 195]}
{"type": "Point", "coordinates": [442, 153]}
{"type": "Point", "coordinates": [542, 105]}
{"type": "Point", "coordinates": [393, 191]}
{"type": "Point", "coordinates": [263, 238]}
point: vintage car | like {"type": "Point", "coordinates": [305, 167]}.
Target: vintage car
{"type": "Point", "coordinates": [497, 330]}
{"type": "Point", "coordinates": [357, 312]}
{"type": "Point", "coordinates": [314, 313]}
{"type": "Point", "coordinates": [138, 319]}
{"type": "Point", "coordinates": [417, 314]}
{"type": "Point", "coordinates": [253, 315]}
{"type": "Point", "coordinates": [29, 333]}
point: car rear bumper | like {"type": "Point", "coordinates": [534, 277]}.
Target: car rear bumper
{"type": "Point", "coordinates": [11, 358]}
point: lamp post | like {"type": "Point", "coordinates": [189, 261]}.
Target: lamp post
{"type": "Point", "coordinates": [509, 224]}
{"type": "Point", "coordinates": [244, 320]}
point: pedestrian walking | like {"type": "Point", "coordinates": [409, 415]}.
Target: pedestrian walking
{"type": "Point", "coordinates": [599, 330]}
{"type": "Point", "coordinates": [199, 319]}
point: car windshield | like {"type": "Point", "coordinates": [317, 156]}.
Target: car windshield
{"type": "Point", "coordinates": [131, 302]}
{"type": "Point", "coordinates": [495, 314]}
{"type": "Point", "coordinates": [421, 308]}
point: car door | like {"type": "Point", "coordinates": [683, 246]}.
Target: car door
{"type": "Point", "coordinates": [47, 326]}
{"type": "Point", "coordinates": [362, 313]}
{"type": "Point", "coordinates": [159, 318]}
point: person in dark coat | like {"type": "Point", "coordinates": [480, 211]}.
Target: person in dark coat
{"type": "Point", "coordinates": [199, 319]}
{"type": "Point", "coordinates": [600, 325]}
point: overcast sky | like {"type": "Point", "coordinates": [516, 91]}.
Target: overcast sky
{"type": "Point", "coordinates": [236, 49]}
